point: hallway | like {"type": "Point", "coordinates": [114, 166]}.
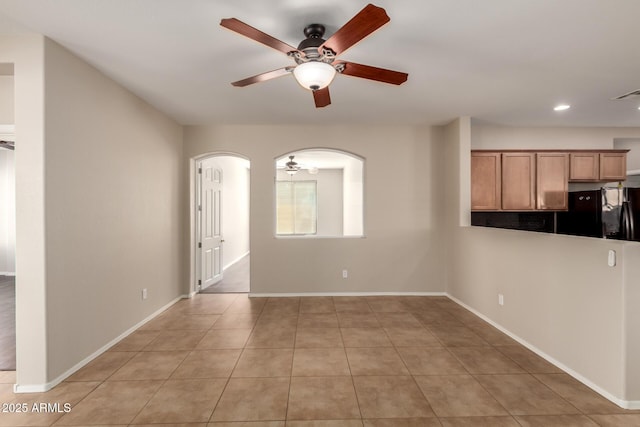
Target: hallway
{"type": "Point", "coordinates": [235, 279]}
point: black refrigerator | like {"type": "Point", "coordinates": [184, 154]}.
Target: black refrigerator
{"type": "Point", "coordinates": [630, 217]}
{"type": "Point", "coordinates": [610, 212]}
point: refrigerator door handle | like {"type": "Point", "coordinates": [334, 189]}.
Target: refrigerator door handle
{"type": "Point", "coordinates": [632, 231]}
{"type": "Point", "coordinates": [626, 224]}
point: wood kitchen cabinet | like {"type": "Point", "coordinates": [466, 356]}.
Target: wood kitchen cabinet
{"type": "Point", "coordinates": [486, 177]}
{"type": "Point", "coordinates": [552, 181]}
{"type": "Point", "coordinates": [584, 167]}
{"type": "Point", "coordinates": [598, 166]}
{"type": "Point", "coordinates": [613, 166]}
{"type": "Point", "coordinates": [518, 181]}
{"type": "Point", "coordinates": [502, 181]}
{"type": "Point", "coordinates": [526, 180]}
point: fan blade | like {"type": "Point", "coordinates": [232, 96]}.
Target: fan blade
{"type": "Point", "coordinates": [248, 31]}
{"type": "Point", "coordinates": [263, 77]}
{"type": "Point", "coordinates": [322, 97]}
{"type": "Point", "coordinates": [9, 145]}
{"type": "Point", "coordinates": [360, 26]}
{"type": "Point", "coordinates": [373, 73]}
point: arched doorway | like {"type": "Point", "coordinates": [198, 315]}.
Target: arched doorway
{"type": "Point", "coordinates": [221, 240]}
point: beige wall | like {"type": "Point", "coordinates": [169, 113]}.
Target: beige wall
{"type": "Point", "coordinates": [560, 295]}
{"type": "Point", "coordinates": [114, 197]}
{"type": "Point", "coordinates": [73, 272]}
{"type": "Point", "coordinates": [400, 252]}
{"type": "Point", "coordinates": [353, 197]}
{"type": "Point", "coordinates": [486, 137]}
{"type": "Point", "coordinates": [632, 320]}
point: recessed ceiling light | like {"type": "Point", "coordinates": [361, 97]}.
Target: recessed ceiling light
{"type": "Point", "coordinates": [561, 107]}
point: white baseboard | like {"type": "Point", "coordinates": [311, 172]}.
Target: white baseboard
{"type": "Point", "coordinates": [235, 261]}
{"type": "Point", "coordinates": [8, 273]}
{"type": "Point", "coordinates": [626, 404]}
{"type": "Point", "coordinates": [344, 294]}
{"type": "Point", "coordinates": [41, 388]}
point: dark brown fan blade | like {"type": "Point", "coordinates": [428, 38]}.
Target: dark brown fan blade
{"type": "Point", "coordinates": [9, 145]}
{"type": "Point", "coordinates": [248, 31]}
{"type": "Point", "coordinates": [263, 77]}
{"type": "Point", "coordinates": [373, 73]}
{"type": "Point", "coordinates": [322, 97]}
{"type": "Point", "coordinates": [360, 26]}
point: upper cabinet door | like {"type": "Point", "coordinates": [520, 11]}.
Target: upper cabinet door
{"type": "Point", "coordinates": [585, 167]}
{"type": "Point", "coordinates": [613, 166]}
{"type": "Point", "coordinates": [485, 181]}
{"type": "Point", "coordinates": [518, 181]}
{"type": "Point", "coordinates": [552, 181]}
{"type": "Point", "coordinates": [598, 167]}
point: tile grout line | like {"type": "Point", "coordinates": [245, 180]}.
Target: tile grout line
{"type": "Point", "coordinates": [353, 382]}
{"type": "Point", "coordinates": [210, 420]}
{"type": "Point", "coordinates": [295, 337]}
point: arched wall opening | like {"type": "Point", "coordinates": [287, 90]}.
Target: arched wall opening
{"type": "Point", "coordinates": [319, 193]}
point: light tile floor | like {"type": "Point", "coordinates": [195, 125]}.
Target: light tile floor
{"type": "Point", "coordinates": [227, 360]}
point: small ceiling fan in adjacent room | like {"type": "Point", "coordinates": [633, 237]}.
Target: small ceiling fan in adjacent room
{"type": "Point", "coordinates": [291, 167]}
{"type": "Point", "coordinates": [316, 58]}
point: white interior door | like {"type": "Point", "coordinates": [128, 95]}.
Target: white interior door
{"type": "Point", "coordinates": [211, 240]}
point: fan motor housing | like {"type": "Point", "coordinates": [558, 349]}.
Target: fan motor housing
{"type": "Point", "coordinates": [314, 40]}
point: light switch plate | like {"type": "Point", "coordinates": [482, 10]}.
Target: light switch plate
{"type": "Point", "coordinates": [611, 261]}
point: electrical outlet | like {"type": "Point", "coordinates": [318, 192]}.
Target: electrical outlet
{"type": "Point", "coordinates": [500, 299]}
{"type": "Point", "coordinates": [345, 274]}
{"type": "Point", "coordinates": [144, 293]}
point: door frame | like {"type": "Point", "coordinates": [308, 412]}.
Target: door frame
{"type": "Point", "coordinates": [194, 188]}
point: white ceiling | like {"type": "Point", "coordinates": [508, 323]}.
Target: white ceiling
{"type": "Point", "coordinates": [498, 61]}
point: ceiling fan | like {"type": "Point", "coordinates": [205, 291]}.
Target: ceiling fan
{"type": "Point", "coordinates": [316, 58]}
{"type": "Point", "coordinates": [291, 167]}
{"type": "Point", "coordinates": [9, 145]}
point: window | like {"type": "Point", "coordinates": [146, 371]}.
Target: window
{"type": "Point", "coordinates": [296, 207]}
{"type": "Point", "coordinates": [322, 197]}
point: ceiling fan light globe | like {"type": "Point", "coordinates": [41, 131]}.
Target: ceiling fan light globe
{"type": "Point", "coordinates": [314, 75]}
